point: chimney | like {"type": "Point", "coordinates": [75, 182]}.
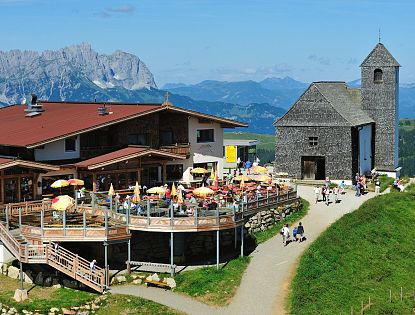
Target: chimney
{"type": "Point", "coordinates": [102, 110]}
{"type": "Point", "coordinates": [34, 108]}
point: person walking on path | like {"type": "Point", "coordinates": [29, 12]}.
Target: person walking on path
{"type": "Point", "coordinates": [300, 231]}
{"type": "Point", "coordinates": [336, 194]}
{"type": "Point", "coordinates": [327, 195]}
{"type": "Point", "coordinates": [317, 193]}
{"type": "Point", "coordinates": [285, 234]}
{"type": "Point", "coordinates": [323, 193]}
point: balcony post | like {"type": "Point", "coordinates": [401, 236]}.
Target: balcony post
{"type": "Point", "coordinates": [242, 240]}
{"type": "Point", "coordinates": [42, 221]}
{"type": "Point", "coordinates": [128, 211]}
{"type": "Point", "coordinates": [84, 222]}
{"type": "Point", "coordinates": [217, 249]}
{"type": "Point", "coordinates": [64, 222]}
{"type": "Point", "coordinates": [7, 217]}
{"type": "Point", "coordinates": [148, 212]}
{"type": "Point", "coordinates": [171, 252]}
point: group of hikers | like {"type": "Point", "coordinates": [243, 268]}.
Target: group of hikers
{"type": "Point", "coordinates": [325, 191]}
{"type": "Point", "coordinates": [298, 234]}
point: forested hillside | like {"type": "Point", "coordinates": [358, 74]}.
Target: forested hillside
{"type": "Point", "coordinates": [407, 146]}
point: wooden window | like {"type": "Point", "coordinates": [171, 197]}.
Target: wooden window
{"type": "Point", "coordinates": [205, 135]}
{"type": "Point", "coordinates": [166, 137]}
{"type": "Point", "coordinates": [312, 141]}
{"type": "Point", "coordinates": [138, 139]}
{"type": "Point", "coordinates": [70, 144]}
{"type": "Point", "coordinates": [378, 76]}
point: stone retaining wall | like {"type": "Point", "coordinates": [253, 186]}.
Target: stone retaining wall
{"type": "Point", "coordinates": [266, 219]}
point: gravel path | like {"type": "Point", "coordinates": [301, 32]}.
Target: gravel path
{"type": "Point", "coordinates": [265, 282]}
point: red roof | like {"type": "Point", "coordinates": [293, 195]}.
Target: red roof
{"type": "Point", "coordinates": [3, 160]}
{"type": "Point", "coordinates": [6, 163]}
{"type": "Point", "coordinates": [123, 155]}
{"type": "Point", "coordinates": [61, 119]}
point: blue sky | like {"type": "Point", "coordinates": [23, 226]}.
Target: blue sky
{"type": "Point", "coordinates": [190, 41]}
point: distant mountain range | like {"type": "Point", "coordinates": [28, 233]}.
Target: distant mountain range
{"type": "Point", "coordinates": [274, 91]}
{"type": "Point", "coordinates": [78, 73]}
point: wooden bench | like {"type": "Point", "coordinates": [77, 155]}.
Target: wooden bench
{"type": "Point", "coordinates": [157, 284]}
{"type": "Point", "coordinates": [171, 268]}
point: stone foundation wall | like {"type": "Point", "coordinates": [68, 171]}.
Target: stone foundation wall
{"type": "Point", "coordinates": [266, 219]}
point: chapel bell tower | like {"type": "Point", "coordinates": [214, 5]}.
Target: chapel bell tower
{"type": "Point", "coordinates": [380, 98]}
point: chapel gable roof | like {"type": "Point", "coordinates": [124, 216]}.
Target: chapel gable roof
{"type": "Point", "coordinates": [346, 101]}
{"type": "Point", "coordinates": [340, 105]}
{"type": "Point", "coordinates": [380, 57]}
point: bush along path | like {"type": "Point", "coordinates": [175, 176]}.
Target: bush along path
{"type": "Point", "coordinates": [262, 289]}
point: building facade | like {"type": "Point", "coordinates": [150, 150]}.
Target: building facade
{"type": "Point", "coordinates": [104, 144]}
{"type": "Point", "coordinates": [336, 131]}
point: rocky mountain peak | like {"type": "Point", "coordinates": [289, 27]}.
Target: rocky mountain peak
{"type": "Point", "coordinates": [64, 73]}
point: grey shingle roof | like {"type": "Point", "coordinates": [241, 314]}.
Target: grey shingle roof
{"type": "Point", "coordinates": [346, 101]}
{"type": "Point", "coordinates": [380, 57]}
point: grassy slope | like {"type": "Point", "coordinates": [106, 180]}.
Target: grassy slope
{"type": "Point", "coordinates": [44, 298]}
{"type": "Point", "coordinates": [364, 254]}
{"type": "Point", "coordinates": [211, 286]}
{"type": "Point", "coordinates": [125, 304]}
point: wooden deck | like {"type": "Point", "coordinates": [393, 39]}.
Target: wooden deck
{"type": "Point", "coordinates": [60, 259]}
{"type": "Point", "coordinates": [88, 224]}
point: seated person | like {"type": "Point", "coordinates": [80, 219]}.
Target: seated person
{"type": "Point", "coordinates": [139, 209]}
{"type": "Point", "coordinates": [190, 211]}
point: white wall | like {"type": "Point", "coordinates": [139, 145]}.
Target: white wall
{"type": "Point", "coordinates": [203, 152]}
{"type": "Point", "coordinates": [56, 151]}
{"type": "Point", "coordinates": [365, 149]}
{"type": "Point", "coordinates": [5, 255]}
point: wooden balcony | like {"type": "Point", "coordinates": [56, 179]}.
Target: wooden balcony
{"type": "Point", "coordinates": [178, 148]}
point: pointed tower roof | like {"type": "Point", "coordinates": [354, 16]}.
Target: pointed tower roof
{"type": "Point", "coordinates": [381, 57]}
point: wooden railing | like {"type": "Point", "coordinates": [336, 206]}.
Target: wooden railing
{"type": "Point", "coordinates": [10, 242]}
{"type": "Point", "coordinates": [76, 267]}
{"type": "Point", "coordinates": [76, 233]}
{"type": "Point", "coordinates": [178, 148]}
{"type": "Point", "coordinates": [59, 258]}
{"type": "Point", "coordinates": [26, 207]}
{"type": "Point", "coordinates": [252, 207]}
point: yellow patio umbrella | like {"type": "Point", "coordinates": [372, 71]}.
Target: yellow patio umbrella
{"type": "Point", "coordinates": [258, 169]}
{"type": "Point", "coordinates": [173, 190]}
{"type": "Point", "coordinates": [242, 177]}
{"type": "Point", "coordinates": [136, 198]}
{"type": "Point", "coordinates": [242, 184]}
{"type": "Point", "coordinates": [203, 191]}
{"type": "Point", "coordinates": [212, 174]}
{"type": "Point", "coordinates": [62, 203]}
{"type": "Point", "coordinates": [199, 170]}
{"type": "Point", "coordinates": [59, 184]}
{"type": "Point", "coordinates": [155, 190]}
{"type": "Point", "coordinates": [76, 182]}
{"type": "Point", "coordinates": [261, 178]}
{"type": "Point", "coordinates": [111, 192]}
{"type": "Point", "coordinates": [180, 199]}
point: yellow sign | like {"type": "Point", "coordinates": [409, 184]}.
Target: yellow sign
{"type": "Point", "coordinates": [230, 153]}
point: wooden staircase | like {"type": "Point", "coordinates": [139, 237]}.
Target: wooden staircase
{"type": "Point", "coordinates": [61, 259]}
